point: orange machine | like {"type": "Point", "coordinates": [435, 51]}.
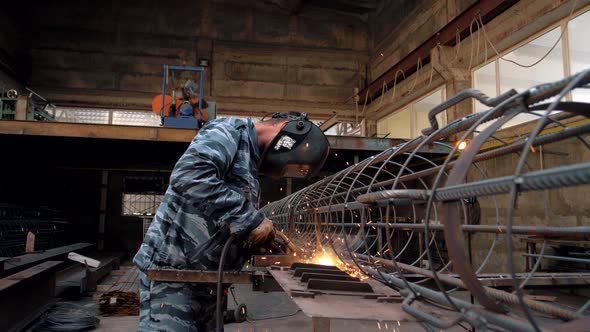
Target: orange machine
{"type": "Point", "coordinates": [157, 106]}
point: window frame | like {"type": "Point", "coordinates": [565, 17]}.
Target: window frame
{"type": "Point", "coordinates": [156, 199]}
{"type": "Point", "coordinates": [414, 131]}
{"type": "Point", "coordinates": [562, 24]}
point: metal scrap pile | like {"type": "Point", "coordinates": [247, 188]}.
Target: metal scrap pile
{"type": "Point", "coordinates": [122, 299]}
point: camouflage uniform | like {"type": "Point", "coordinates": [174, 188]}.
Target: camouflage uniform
{"type": "Point", "coordinates": [213, 193]}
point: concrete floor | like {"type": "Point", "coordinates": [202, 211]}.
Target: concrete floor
{"type": "Point", "coordinates": [274, 311]}
{"type": "Point", "coordinates": [262, 310]}
{"type": "Point", "coordinates": [297, 323]}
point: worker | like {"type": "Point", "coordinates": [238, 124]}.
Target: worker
{"type": "Point", "coordinates": [213, 194]}
{"type": "Point", "coordinates": [190, 103]}
{"type": "Point", "coordinates": [183, 102]}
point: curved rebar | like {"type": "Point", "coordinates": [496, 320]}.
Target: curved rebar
{"type": "Point", "coordinates": [408, 210]}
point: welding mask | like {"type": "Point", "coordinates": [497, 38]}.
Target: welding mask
{"type": "Point", "coordinates": [299, 150]}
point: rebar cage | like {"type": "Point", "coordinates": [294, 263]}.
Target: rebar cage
{"type": "Point", "coordinates": [470, 221]}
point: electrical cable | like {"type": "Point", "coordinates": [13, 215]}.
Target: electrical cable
{"type": "Point", "coordinates": [540, 59]}
{"type": "Point", "coordinates": [218, 310]}
{"type": "Point", "coordinates": [253, 319]}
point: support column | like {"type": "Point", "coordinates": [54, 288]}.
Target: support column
{"type": "Point", "coordinates": [289, 187]}
{"type": "Point", "coordinates": [103, 208]}
{"type": "Point", "coordinates": [457, 76]}
{"type": "Point", "coordinates": [21, 108]}
{"type": "Point", "coordinates": [370, 128]}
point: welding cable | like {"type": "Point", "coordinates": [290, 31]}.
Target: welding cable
{"type": "Point", "coordinates": [251, 319]}
{"type": "Point", "coordinates": [254, 319]}
{"type": "Point", "coordinates": [218, 309]}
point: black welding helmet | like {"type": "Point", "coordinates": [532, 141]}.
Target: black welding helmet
{"type": "Point", "coordinates": [298, 151]}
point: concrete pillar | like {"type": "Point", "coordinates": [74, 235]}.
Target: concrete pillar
{"type": "Point", "coordinates": [370, 127]}
{"type": "Point", "coordinates": [457, 76]}
{"type": "Point", "coordinates": [103, 208]}
{"type": "Point", "coordinates": [289, 186]}
{"type": "Point", "coordinates": [21, 108]}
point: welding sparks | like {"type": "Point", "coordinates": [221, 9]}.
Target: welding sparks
{"type": "Point", "coordinates": [329, 258]}
{"type": "Point", "coordinates": [325, 260]}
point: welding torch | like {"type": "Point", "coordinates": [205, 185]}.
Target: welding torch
{"type": "Point", "coordinates": [288, 242]}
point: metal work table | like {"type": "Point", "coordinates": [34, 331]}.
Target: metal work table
{"type": "Point", "coordinates": [321, 292]}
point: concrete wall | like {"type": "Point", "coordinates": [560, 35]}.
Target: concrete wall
{"type": "Point", "coordinates": [565, 207]}
{"type": "Point", "coordinates": [401, 26]}
{"type": "Point", "coordinates": [14, 58]}
{"type": "Point", "coordinates": [559, 207]}
{"type": "Point", "coordinates": [522, 20]}
{"type": "Point", "coordinates": [110, 53]}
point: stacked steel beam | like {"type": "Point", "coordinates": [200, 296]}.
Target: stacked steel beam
{"type": "Point", "coordinates": [404, 213]}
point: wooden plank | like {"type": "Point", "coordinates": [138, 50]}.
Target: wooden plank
{"type": "Point", "coordinates": [84, 130]}
{"type": "Point", "coordinates": [62, 129]}
{"type": "Point", "coordinates": [83, 259]}
{"type": "Point", "coordinates": [30, 244]}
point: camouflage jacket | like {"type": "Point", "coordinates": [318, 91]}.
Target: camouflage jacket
{"type": "Point", "coordinates": [213, 193]}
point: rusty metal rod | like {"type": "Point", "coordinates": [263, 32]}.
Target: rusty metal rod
{"type": "Point", "coordinates": [483, 156]}
{"type": "Point", "coordinates": [495, 293]}
{"type": "Point", "coordinates": [509, 323]}
{"type": "Point", "coordinates": [558, 177]}
{"type": "Point", "coordinates": [576, 231]}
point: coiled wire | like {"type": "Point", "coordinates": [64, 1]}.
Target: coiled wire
{"type": "Point", "coordinates": [65, 316]}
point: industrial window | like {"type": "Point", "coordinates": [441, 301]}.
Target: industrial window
{"type": "Point", "coordinates": [141, 204]}
{"type": "Point", "coordinates": [143, 193]}
{"type": "Point", "coordinates": [107, 116]}
{"type": "Point", "coordinates": [410, 120]}
{"type": "Point", "coordinates": [570, 55]}
{"type": "Point", "coordinates": [579, 51]}
{"type": "Point", "coordinates": [344, 129]}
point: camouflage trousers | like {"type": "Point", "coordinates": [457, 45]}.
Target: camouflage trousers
{"type": "Point", "coordinates": [171, 306]}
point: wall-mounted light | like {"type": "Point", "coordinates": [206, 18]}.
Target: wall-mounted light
{"type": "Point", "coordinates": [204, 62]}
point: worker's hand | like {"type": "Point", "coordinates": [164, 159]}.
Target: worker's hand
{"type": "Point", "coordinates": [261, 233]}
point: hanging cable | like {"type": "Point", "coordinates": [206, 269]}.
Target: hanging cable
{"type": "Point", "coordinates": [218, 309]}
{"type": "Point", "coordinates": [544, 56]}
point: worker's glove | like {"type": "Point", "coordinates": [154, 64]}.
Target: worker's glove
{"type": "Point", "coordinates": [261, 233]}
